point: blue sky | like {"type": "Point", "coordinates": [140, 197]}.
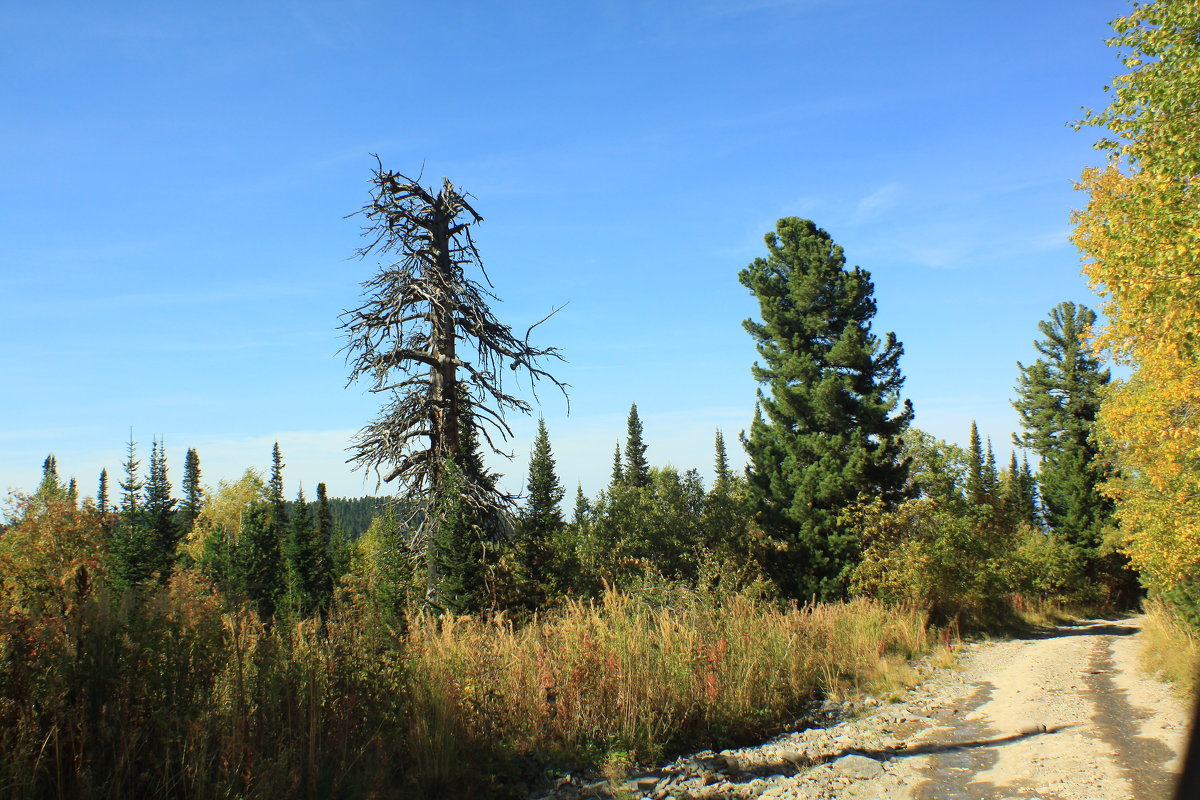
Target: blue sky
{"type": "Point", "coordinates": [174, 252]}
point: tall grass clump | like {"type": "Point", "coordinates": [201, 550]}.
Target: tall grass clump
{"type": "Point", "coordinates": [1171, 648]}
{"type": "Point", "coordinates": [619, 675]}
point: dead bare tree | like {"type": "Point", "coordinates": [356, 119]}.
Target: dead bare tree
{"type": "Point", "coordinates": [426, 338]}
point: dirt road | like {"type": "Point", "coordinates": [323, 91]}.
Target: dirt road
{"type": "Point", "coordinates": [1066, 714]}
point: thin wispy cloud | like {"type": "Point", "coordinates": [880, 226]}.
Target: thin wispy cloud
{"type": "Point", "coordinates": [881, 199]}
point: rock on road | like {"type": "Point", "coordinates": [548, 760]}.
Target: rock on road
{"type": "Point", "coordinates": [1065, 714]}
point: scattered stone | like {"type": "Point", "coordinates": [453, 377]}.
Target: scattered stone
{"type": "Point", "coordinates": [858, 767]}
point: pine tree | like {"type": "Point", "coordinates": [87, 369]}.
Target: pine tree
{"type": "Point", "coordinates": [828, 427]}
{"type": "Point", "coordinates": [541, 520]}
{"type": "Point", "coordinates": [1058, 398]}
{"type": "Point", "coordinates": [102, 493]}
{"type": "Point", "coordinates": [636, 471]}
{"type": "Point", "coordinates": [193, 498]}
{"type": "Point", "coordinates": [73, 491]}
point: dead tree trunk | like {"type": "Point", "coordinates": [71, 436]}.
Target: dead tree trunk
{"type": "Point", "coordinates": [407, 339]}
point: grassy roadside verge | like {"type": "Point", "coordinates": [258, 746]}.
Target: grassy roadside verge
{"type": "Point", "coordinates": [1171, 650]}
{"type": "Point", "coordinates": [175, 696]}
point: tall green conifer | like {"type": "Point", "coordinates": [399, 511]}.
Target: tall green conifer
{"type": "Point", "coordinates": [102, 493]}
{"type": "Point", "coordinates": [160, 523]}
{"type": "Point", "coordinates": [193, 498]}
{"type": "Point", "coordinates": [50, 486]}
{"type": "Point", "coordinates": [1058, 398]}
{"type": "Point", "coordinates": [829, 421]}
{"type": "Point", "coordinates": [541, 519]}
{"type": "Point", "coordinates": [976, 485]}
{"type": "Point", "coordinates": [582, 507]}
{"type": "Point", "coordinates": [636, 472]}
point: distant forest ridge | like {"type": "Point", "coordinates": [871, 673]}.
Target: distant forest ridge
{"type": "Point", "coordinates": [353, 515]}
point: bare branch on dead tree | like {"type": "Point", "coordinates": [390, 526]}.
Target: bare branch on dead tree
{"type": "Point", "coordinates": [404, 341]}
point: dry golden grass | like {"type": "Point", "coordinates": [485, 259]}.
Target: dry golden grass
{"type": "Point", "coordinates": [176, 692]}
{"type": "Point", "coordinates": [1171, 648]}
{"type": "Point", "coordinates": [617, 676]}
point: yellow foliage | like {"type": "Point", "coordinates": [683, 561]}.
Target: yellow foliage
{"type": "Point", "coordinates": [1140, 235]}
{"type": "Point", "coordinates": [224, 510]}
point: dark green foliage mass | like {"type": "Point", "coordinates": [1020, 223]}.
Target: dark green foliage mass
{"type": "Point", "coordinates": [132, 553]}
{"type": "Point", "coordinates": [829, 422]}
{"type": "Point", "coordinates": [50, 485]}
{"type": "Point", "coordinates": [1058, 398]}
{"type": "Point", "coordinates": [540, 521]}
{"type": "Point", "coordinates": [456, 551]}
{"type": "Point", "coordinates": [160, 524]}
{"type": "Point", "coordinates": [309, 568]}
{"type": "Point", "coordinates": [102, 493]}
{"type": "Point", "coordinates": [192, 493]}
{"type": "Point", "coordinates": [582, 507]}
{"type": "Point", "coordinates": [976, 480]}
{"type": "Point", "coordinates": [257, 565]}
{"type": "Point", "coordinates": [636, 470]}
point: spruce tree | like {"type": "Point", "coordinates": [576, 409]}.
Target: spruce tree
{"type": "Point", "coordinates": [275, 485]}
{"type": "Point", "coordinates": [131, 487]}
{"type": "Point", "coordinates": [724, 517]}
{"type": "Point", "coordinates": [722, 477]}
{"type": "Point", "coordinates": [1028, 493]}
{"type": "Point", "coordinates": [582, 507]}
{"type": "Point", "coordinates": [50, 486]}
{"type": "Point", "coordinates": [1058, 398]}
{"type": "Point", "coordinates": [828, 426]}
{"type": "Point", "coordinates": [455, 558]}
{"type": "Point", "coordinates": [277, 516]}
{"type": "Point", "coordinates": [991, 478]}
{"type": "Point", "coordinates": [193, 498]}
{"type": "Point", "coordinates": [1010, 491]}
{"type": "Point", "coordinates": [73, 491]}
{"type": "Point", "coordinates": [976, 481]}
{"type": "Point", "coordinates": [160, 524]}
{"type": "Point", "coordinates": [308, 559]}
{"type": "Point", "coordinates": [336, 544]}
{"type": "Point", "coordinates": [258, 566]}
{"type": "Point", "coordinates": [618, 474]}
{"type": "Point", "coordinates": [132, 550]}
{"type": "Point", "coordinates": [636, 471]}
{"type": "Point", "coordinates": [102, 493]}
{"type": "Point", "coordinates": [540, 521]}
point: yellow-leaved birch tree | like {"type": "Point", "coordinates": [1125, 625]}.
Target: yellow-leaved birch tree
{"type": "Point", "coordinates": [1140, 236]}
